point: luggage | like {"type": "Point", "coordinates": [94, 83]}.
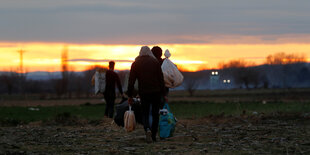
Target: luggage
{"type": "Point", "coordinates": [99, 82]}
{"type": "Point", "coordinates": [166, 122]}
{"type": "Point", "coordinates": [172, 76]}
{"type": "Point", "coordinates": [129, 120]}
{"type": "Point", "coordinates": [123, 106]}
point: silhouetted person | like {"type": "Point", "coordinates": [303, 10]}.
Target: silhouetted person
{"type": "Point", "coordinates": [112, 79]}
{"type": "Point", "coordinates": [147, 70]}
{"type": "Point", "coordinates": [158, 52]}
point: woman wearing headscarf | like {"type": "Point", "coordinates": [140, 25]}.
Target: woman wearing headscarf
{"type": "Point", "coordinates": [147, 71]}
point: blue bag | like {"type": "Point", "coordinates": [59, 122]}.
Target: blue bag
{"type": "Point", "coordinates": [166, 122]}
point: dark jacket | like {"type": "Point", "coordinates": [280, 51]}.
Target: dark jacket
{"type": "Point", "coordinates": [160, 60]}
{"type": "Point", "coordinates": [112, 79]}
{"type": "Point", "coordinates": [149, 74]}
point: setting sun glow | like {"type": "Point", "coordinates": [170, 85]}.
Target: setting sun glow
{"type": "Point", "coordinates": [191, 57]}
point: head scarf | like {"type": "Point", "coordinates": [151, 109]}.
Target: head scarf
{"type": "Point", "coordinates": [145, 50]}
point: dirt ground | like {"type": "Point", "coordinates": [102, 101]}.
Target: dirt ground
{"type": "Point", "coordinates": [28, 103]}
{"type": "Point", "coordinates": [273, 134]}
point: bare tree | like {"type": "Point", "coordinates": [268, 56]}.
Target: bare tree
{"type": "Point", "coordinates": [283, 58]}
{"type": "Point", "coordinates": [286, 61]}
{"type": "Point", "coordinates": [247, 76]}
{"type": "Point", "coordinates": [191, 82]}
{"type": "Point", "coordinates": [9, 79]}
{"type": "Point", "coordinates": [242, 73]}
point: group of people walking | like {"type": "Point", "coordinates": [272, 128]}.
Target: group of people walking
{"type": "Point", "coordinates": [146, 70]}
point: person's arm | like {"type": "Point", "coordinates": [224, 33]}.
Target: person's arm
{"type": "Point", "coordinates": [162, 81]}
{"type": "Point", "coordinates": [131, 80]}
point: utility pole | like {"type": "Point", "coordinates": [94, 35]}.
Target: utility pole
{"type": "Point", "coordinates": [21, 52]}
{"type": "Point", "coordinates": [21, 75]}
{"type": "Point", "coordinates": [64, 60]}
{"type": "Point", "coordinates": [64, 67]}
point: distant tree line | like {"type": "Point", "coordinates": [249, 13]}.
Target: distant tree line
{"type": "Point", "coordinates": [280, 71]}
{"type": "Point", "coordinates": [69, 85]}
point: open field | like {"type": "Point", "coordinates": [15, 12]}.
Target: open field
{"type": "Point", "coordinates": [211, 122]}
{"type": "Point", "coordinates": [243, 95]}
{"type": "Point", "coordinates": [214, 96]}
{"type": "Point", "coordinates": [182, 110]}
{"type": "Point", "coordinates": [275, 134]}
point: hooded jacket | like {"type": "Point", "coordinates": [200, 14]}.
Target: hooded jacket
{"type": "Point", "coordinates": [147, 70]}
{"type": "Point", "coordinates": [145, 51]}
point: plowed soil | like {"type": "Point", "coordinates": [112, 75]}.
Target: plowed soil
{"type": "Point", "coordinates": [273, 134]}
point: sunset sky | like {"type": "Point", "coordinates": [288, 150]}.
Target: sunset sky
{"type": "Point", "coordinates": [199, 33]}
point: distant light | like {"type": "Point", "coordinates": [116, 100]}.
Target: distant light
{"type": "Point", "coordinates": [228, 81]}
{"type": "Point", "coordinates": [225, 81]}
{"type": "Point", "coordinates": [214, 73]}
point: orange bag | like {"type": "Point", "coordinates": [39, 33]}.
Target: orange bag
{"type": "Point", "coordinates": [129, 120]}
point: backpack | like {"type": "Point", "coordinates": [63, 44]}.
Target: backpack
{"type": "Point", "coordinates": [166, 122]}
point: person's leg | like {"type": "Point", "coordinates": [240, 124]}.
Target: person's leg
{"type": "Point", "coordinates": [106, 111]}
{"type": "Point", "coordinates": [155, 113]}
{"type": "Point", "coordinates": [111, 107]}
{"type": "Point", "coordinates": [145, 111]}
{"type": "Point", "coordinates": [150, 117]}
{"type": "Point", "coordinates": [145, 103]}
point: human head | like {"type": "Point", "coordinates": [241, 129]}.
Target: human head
{"type": "Point", "coordinates": [145, 50]}
{"type": "Point", "coordinates": [157, 52]}
{"type": "Point", "coordinates": [111, 65]}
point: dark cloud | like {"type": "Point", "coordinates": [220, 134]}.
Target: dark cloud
{"type": "Point", "coordinates": [109, 22]}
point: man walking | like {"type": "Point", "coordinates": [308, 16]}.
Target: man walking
{"type": "Point", "coordinates": [158, 52]}
{"type": "Point", "coordinates": [147, 70]}
{"type": "Point", "coordinates": [112, 79]}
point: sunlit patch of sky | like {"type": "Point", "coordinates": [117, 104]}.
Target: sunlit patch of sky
{"type": "Point", "coordinates": [46, 56]}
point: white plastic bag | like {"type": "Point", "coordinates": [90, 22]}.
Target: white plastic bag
{"type": "Point", "coordinates": [172, 76]}
{"type": "Point", "coordinates": [99, 82]}
{"type": "Point", "coordinates": [126, 83]}
{"type": "Point", "coordinates": [129, 120]}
